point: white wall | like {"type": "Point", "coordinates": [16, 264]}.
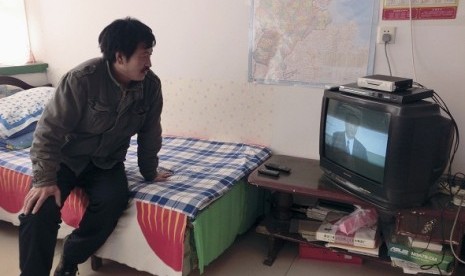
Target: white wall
{"type": "Point", "coordinates": [201, 57]}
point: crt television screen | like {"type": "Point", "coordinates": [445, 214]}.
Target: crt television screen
{"type": "Point", "coordinates": [356, 138]}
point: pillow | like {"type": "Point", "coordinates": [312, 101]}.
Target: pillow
{"type": "Point", "coordinates": [8, 90]}
{"type": "Point", "coordinates": [29, 128]}
{"type": "Point", "coordinates": [20, 142]}
{"type": "Point", "coordinates": [21, 109]}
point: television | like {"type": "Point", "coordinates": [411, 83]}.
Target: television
{"type": "Point", "coordinates": [390, 155]}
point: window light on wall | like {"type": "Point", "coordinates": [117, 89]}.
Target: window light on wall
{"type": "Point", "coordinates": [14, 46]}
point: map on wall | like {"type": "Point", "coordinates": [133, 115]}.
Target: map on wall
{"type": "Point", "coordinates": [305, 42]}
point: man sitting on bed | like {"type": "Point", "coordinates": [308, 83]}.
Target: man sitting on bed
{"type": "Point", "coordinates": [81, 141]}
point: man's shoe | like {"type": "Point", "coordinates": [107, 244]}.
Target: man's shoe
{"type": "Point", "coordinates": [64, 268]}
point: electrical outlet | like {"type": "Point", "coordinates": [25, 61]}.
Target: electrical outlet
{"type": "Point", "coordinates": [386, 30]}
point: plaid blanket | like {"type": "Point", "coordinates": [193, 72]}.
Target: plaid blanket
{"type": "Point", "coordinates": [202, 171]}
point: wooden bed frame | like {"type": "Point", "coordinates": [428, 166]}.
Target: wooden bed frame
{"type": "Point", "coordinates": [7, 80]}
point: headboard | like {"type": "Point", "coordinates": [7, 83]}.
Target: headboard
{"type": "Point", "coordinates": [7, 80]}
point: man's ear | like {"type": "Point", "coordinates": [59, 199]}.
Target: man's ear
{"type": "Point", "coordinates": [119, 57]}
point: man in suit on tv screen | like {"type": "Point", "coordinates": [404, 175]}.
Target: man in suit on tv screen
{"type": "Point", "coordinates": [349, 150]}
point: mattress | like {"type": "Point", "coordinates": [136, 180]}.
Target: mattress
{"type": "Point", "coordinates": [208, 177]}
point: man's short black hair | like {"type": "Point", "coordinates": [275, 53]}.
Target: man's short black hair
{"type": "Point", "coordinates": [353, 118]}
{"type": "Point", "coordinates": [124, 35]}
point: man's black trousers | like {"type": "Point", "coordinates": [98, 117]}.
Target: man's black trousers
{"type": "Point", "coordinates": [108, 194]}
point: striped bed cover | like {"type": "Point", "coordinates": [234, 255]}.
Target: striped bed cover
{"type": "Point", "coordinates": [152, 229]}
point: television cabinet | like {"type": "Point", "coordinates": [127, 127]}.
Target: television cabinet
{"type": "Point", "coordinates": [307, 179]}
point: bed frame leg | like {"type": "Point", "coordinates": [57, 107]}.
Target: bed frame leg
{"type": "Point", "coordinates": [95, 262]}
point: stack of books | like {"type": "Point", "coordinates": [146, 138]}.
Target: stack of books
{"type": "Point", "coordinates": [372, 252]}
{"type": "Point", "coordinates": [364, 241]}
{"type": "Point", "coordinates": [415, 256]}
{"type": "Point", "coordinates": [320, 226]}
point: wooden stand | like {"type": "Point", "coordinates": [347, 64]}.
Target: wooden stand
{"type": "Point", "coordinates": [306, 179]}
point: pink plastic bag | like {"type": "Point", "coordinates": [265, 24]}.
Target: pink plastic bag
{"type": "Point", "coordinates": [357, 219]}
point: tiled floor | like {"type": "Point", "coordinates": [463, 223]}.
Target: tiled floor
{"type": "Point", "coordinates": [243, 258]}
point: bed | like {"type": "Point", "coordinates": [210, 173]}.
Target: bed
{"type": "Point", "coordinates": [169, 228]}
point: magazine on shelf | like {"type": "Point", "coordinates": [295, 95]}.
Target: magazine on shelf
{"type": "Point", "coordinates": [367, 237]}
{"type": "Point", "coordinates": [372, 252]}
{"type": "Point", "coordinates": [417, 243]}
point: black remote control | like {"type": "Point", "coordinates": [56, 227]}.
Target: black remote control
{"type": "Point", "coordinates": [268, 172]}
{"type": "Point", "coordinates": [277, 167]}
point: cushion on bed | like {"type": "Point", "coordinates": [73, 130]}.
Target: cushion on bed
{"type": "Point", "coordinates": [20, 110]}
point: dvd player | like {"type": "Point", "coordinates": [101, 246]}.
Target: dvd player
{"type": "Point", "coordinates": [385, 83]}
{"type": "Point", "coordinates": [404, 96]}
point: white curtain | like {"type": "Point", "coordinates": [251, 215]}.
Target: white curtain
{"type": "Point", "coordinates": [14, 39]}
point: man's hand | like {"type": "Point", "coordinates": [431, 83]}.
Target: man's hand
{"type": "Point", "coordinates": [163, 176]}
{"type": "Point", "coordinates": [36, 197]}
